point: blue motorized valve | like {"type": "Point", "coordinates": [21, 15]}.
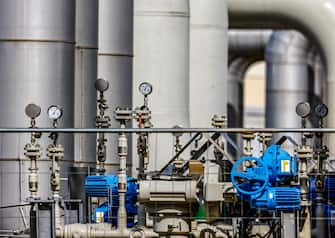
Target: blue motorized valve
{"type": "Point", "coordinates": [256, 176]}
{"type": "Point", "coordinates": [279, 164]}
{"type": "Point", "coordinates": [265, 182]}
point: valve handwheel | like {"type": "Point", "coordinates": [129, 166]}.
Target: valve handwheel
{"type": "Point", "coordinates": [251, 181]}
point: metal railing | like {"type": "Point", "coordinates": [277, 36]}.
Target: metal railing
{"type": "Point", "coordinates": [168, 130]}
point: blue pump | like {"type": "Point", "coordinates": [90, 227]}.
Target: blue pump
{"type": "Point", "coordinates": [99, 186]}
{"type": "Point", "coordinates": [264, 183]}
{"type": "Point", "coordinates": [107, 186]}
{"type": "Point", "coordinates": [279, 198]}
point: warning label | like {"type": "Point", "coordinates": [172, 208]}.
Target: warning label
{"type": "Point", "coordinates": [100, 217]}
{"type": "Point", "coordinates": [285, 166]}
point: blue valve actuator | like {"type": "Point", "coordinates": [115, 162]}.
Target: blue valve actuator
{"type": "Point", "coordinates": [265, 182]}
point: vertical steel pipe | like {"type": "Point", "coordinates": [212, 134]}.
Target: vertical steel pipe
{"type": "Point", "coordinates": [237, 69]}
{"type": "Point", "coordinates": [317, 81]}
{"type": "Point", "coordinates": [317, 66]}
{"type": "Point", "coordinates": [162, 59]}
{"type": "Point", "coordinates": [245, 48]}
{"type": "Point", "coordinates": [36, 65]}
{"type": "Point", "coordinates": [287, 79]}
{"type": "Point", "coordinates": [86, 70]}
{"type": "Point", "coordinates": [208, 61]}
{"type": "Point", "coordinates": [115, 56]}
{"type": "Point", "coordinates": [85, 76]}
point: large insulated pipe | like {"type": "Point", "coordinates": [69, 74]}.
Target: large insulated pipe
{"type": "Point", "coordinates": [36, 65]}
{"type": "Point", "coordinates": [301, 15]}
{"type": "Point", "coordinates": [85, 76]}
{"type": "Point", "coordinates": [161, 43]}
{"type": "Point", "coordinates": [318, 75]}
{"type": "Point", "coordinates": [248, 43]}
{"type": "Point", "coordinates": [115, 58]}
{"type": "Point", "coordinates": [237, 69]}
{"type": "Point", "coordinates": [208, 61]}
{"type": "Point", "coordinates": [245, 48]}
{"type": "Point", "coordinates": [208, 66]}
{"type": "Point", "coordinates": [287, 79]}
{"type": "Point", "coordinates": [317, 81]}
{"type": "Point", "coordinates": [86, 70]}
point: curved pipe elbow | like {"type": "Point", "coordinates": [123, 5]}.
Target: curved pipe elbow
{"type": "Point", "coordinates": [314, 59]}
{"type": "Point", "coordinates": [287, 47]}
{"type": "Point", "coordinates": [288, 14]}
{"type": "Point", "coordinates": [315, 18]}
{"type": "Point", "coordinates": [239, 65]}
{"type": "Point", "coordinates": [248, 43]}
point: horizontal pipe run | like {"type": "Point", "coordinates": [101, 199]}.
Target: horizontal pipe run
{"type": "Point", "coordinates": [14, 205]}
{"type": "Point", "coordinates": [169, 130]}
{"type": "Point", "coordinates": [101, 230]}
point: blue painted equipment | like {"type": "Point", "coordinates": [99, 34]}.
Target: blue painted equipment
{"type": "Point", "coordinates": [102, 213]}
{"type": "Point", "coordinates": [328, 196]}
{"type": "Point", "coordinates": [264, 182]}
{"type": "Point", "coordinates": [312, 189]}
{"type": "Point", "coordinates": [280, 198]}
{"type": "Point", "coordinates": [280, 165]}
{"type": "Point", "coordinates": [257, 177]}
{"type": "Point", "coordinates": [99, 186]}
{"type": "Point", "coordinates": [330, 211]}
{"type": "Point", "coordinates": [107, 186]}
{"type": "Point", "coordinates": [329, 188]}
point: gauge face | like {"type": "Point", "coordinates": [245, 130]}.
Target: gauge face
{"type": "Point", "coordinates": [101, 85]}
{"type": "Point", "coordinates": [321, 110]}
{"type": "Point", "coordinates": [32, 110]}
{"type": "Point", "coordinates": [303, 109]}
{"type": "Point", "coordinates": [55, 112]}
{"type": "Point", "coordinates": [145, 88]}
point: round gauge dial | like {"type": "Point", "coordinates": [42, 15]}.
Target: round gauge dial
{"type": "Point", "coordinates": [321, 110]}
{"type": "Point", "coordinates": [55, 112]}
{"type": "Point", "coordinates": [32, 110]}
{"type": "Point", "coordinates": [101, 85]}
{"type": "Point", "coordinates": [303, 109]}
{"type": "Point", "coordinates": [145, 88]}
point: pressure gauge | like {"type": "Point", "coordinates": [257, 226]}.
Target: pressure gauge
{"type": "Point", "coordinates": [55, 112]}
{"type": "Point", "coordinates": [303, 109]}
{"type": "Point", "coordinates": [101, 85]}
{"type": "Point", "coordinates": [32, 110]}
{"type": "Point", "coordinates": [145, 88]}
{"type": "Point", "coordinates": [321, 110]}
